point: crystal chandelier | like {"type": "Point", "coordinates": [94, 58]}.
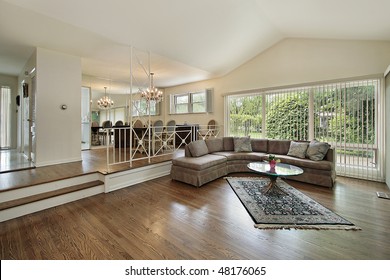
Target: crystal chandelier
{"type": "Point", "coordinates": [152, 93]}
{"type": "Point", "coordinates": [105, 102]}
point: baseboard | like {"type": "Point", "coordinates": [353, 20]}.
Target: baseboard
{"type": "Point", "coordinates": [54, 162]}
{"type": "Point", "coordinates": [134, 176]}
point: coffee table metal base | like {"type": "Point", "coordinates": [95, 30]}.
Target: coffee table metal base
{"type": "Point", "coordinates": [272, 187]}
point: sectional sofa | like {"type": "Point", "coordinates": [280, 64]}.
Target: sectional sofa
{"type": "Point", "coordinates": [207, 160]}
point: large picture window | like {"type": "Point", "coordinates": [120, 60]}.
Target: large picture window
{"type": "Point", "coordinates": [344, 114]}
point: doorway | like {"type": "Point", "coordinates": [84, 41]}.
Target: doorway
{"type": "Point", "coordinates": [12, 156]}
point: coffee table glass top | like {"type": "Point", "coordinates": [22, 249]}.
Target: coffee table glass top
{"type": "Point", "coordinates": [281, 169]}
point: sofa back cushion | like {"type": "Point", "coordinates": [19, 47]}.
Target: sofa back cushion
{"type": "Point", "coordinates": [198, 148]}
{"type": "Point", "coordinates": [279, 147]}
{"type": "Point", "coordinates": [228, 144]}
{"type": "Point", "coordinates": [242, 144]}
{"type": "Point", "coordinates": [259, 145]}
{"type": "Point", "coordinates": [214, 145]}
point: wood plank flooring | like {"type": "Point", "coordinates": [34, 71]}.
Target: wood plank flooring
{"type": "Point", "coordinates": [165, 219]}
{"type": "Point", "coordinates": [92, 161]}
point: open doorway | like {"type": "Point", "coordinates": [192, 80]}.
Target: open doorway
{"type": "Point", "coordinates": [12, 156]}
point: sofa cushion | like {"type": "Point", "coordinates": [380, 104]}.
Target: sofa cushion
{"type": "Point", "coordinates": [198, 148]}
{"type": "Point", "coordinates": [259, 145]}
{"type": "Point", "coordinates": [279, 147]}
{"type": "Point", "coordinates": [317, 150]}
{"type": "Point", "coordinates": [298, 149]}
{"type": "Point", "coordinates": [242, 144]}
{"type": "Point", "coordinates": [228, 144]}
{"type": "Point", "coordinates": [214, 145]}
{"type": "Point", "coordinates": [199, 163]}
{"type": "Point", "coordinates": [252, 156]}
{"type": "Point", "coordinates": [307, 163]}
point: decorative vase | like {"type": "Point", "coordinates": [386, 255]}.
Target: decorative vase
{"type": "Point", "coordinates": [272, 164]}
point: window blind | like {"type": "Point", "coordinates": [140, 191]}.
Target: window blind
{"type": "Point", "coordinates": [348, 115]}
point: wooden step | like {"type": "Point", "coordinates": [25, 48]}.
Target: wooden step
{"type": "Point", "coordinates": [50, 194]}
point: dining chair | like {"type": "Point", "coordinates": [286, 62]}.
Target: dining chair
{"type": "Point", "coordinates": [156, 137]}
{"type": "Point", "coordinates": [169, 137]}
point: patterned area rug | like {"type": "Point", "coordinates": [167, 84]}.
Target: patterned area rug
{"type": "Point", "coordinates": [292, 210]}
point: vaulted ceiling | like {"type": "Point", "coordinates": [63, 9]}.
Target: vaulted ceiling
{"type": "Point", "coordinates": [189, 40]}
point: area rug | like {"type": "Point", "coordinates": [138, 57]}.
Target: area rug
{"type": "Point", "coordinates": [293, 210]}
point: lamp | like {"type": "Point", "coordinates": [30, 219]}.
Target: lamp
{"type": "Point", "coordinates": [105, 102]}
{"type": "Point", "coordinates": [152, 93]}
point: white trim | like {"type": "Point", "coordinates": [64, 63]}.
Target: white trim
{"type": "Point", "coordinates": [54, 162]}
{"type": "Point", "coordinates": [387, 71]}
{"type": "Point", "coordinates": [45, 187]}
{"type": "Point", "coordinates": [131, 177]}
{"type": "Point", "coordinates": [302, 85]}
{"type": "Point", "coordinates": [33, 207]}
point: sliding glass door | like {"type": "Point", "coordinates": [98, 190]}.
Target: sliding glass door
{"type": "Point", "coordinates": [348, 115]}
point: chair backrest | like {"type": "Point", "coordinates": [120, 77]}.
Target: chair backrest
{"type": "Point", "coordinates": [95, 127]}
{"type": "Point", "coordinates": [158, 126]}
{"type": "Point", "coordinates": [107, 124]}
{"type": "Point", "coordinates": [119, 123]}
{"type": "Point", "coordinates": [138, 124]}
{"type": "Point", "coordinates": [171, 126]}
{"type": "Point", "coordinates": [211, 124]}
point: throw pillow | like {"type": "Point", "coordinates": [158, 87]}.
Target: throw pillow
{"type": "Point", "coordinates": [214, 145]}
{"type": "Point", "coordinates": [317, 150]}
{"type": "Point", "coordinates": [298, 149]}
{"type": "Point", "coordinates": [198, 148]}
{"type": "Point", "coordinates": [242, 144]}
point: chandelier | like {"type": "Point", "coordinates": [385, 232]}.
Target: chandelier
{"type": "Point", "coordinates": [105, 102]}
{"type": "Point", "coordinates": [152, 93]}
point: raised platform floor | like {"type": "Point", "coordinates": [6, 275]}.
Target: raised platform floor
{"type": "Point", "coordinates": [93, 161]}
{"type": "Point", "coordinates": [31, 190]}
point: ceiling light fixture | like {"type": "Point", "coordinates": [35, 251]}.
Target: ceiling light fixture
{"type": "Point", "coordinates": [152, 93]}
{"type": "Point", "coordinates": [105, 102]}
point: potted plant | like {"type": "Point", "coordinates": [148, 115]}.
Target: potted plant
{"type": "Point", "coordinates": [272, 160]}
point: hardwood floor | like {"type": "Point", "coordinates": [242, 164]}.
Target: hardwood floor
{"type": "Point", "coordinates": [92, 161]}
{"type": "Point", "coordinates": [165, 219]}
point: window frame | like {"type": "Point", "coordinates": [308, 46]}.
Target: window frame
{"type": "Point", "coordinates": [190, 103]}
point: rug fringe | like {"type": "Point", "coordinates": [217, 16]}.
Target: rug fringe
{"type": "Point", "coordinates": [315, 227]}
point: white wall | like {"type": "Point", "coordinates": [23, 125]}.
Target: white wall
{"type": "Point", "coordinates": [293, 62]}
{"type": "Point", "coordinates": [58, 132]}
{"type": "Point", "coordinates": [299, 61]}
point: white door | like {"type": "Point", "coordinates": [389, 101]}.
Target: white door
{"type": "Point", "coordinates": [85, 118]}
{"type": "Point", "coordinates": [33, 118]}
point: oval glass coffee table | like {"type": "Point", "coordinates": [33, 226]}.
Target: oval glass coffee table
{"type": "Point", "coordinates": [280, 170]}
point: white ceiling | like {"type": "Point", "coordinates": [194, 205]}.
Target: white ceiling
{"type": "Point", "coordinates": [189, 40]}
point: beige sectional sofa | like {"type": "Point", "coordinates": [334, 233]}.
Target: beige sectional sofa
{"type": "Point", "coordinates": [207, 160]}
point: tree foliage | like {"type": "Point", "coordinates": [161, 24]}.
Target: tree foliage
{"type": "Point", "coordinates": [246, 115]}
{"type": "Point", "coordinates": [288, 117]}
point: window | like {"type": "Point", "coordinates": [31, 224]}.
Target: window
{"type": "Point", "coordinates": [140, 108]}
{"type": "Point", "coordinates": [344, 114]}
{"type": "Point", "coordinates": [5, 117]}
{"type": "Point", "coordinates": [182, 104]}
{"type": "Point", "coordinates": [192, 102]}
